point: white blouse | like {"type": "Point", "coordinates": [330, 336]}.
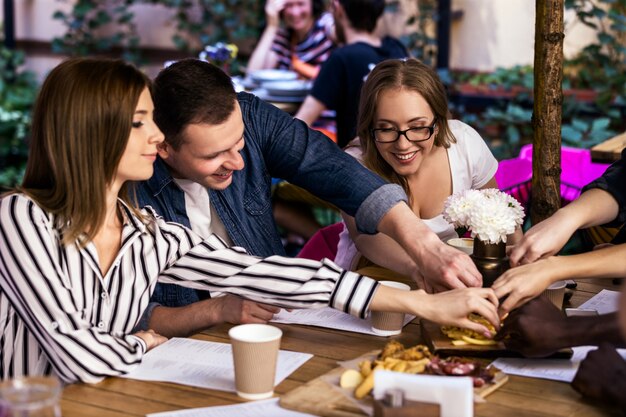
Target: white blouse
{"type": "Point", "coordinates": [472, 165]}
{"type": "Point", "coordinates": [59, 315]}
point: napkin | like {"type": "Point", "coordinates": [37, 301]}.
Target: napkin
{"type": "Point", "coordinates": [454, 394]}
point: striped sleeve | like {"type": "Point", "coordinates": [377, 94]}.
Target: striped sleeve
{"type": "Point", "coordinates": [35, 286]}
{"type": "Point", "coordinates": [285, 282]}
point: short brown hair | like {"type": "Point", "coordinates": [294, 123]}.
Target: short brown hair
{"type": "Point", "coordinates": [81, 125]}
{"type": "Point", "coordinates": [408, 74]}
{"type": "Point", "coordinates": [191, 91]}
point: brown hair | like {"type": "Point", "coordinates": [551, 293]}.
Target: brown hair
{"type": "Point", "coordinates": [81, 125]}
{"type": "Point", "coordinates": [409, 74]}
{"type": "Point", "coordinates": [191, 91]}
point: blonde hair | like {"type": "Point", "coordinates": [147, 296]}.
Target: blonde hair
{"type": "Point", "coordinates": [407, 74]}
{"type": "Point", "coordinates": [81, 125]}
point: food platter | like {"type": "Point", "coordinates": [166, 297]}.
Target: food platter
{"type": "Point", "coordinates": [324, 396]}
{"type": "Point", "coordinates": [442, 345]}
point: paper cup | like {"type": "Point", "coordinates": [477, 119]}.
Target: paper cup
{"type": "Point", "coordinates": [464, 244]}
{"type": "Point", "coordinates": [255, 350]}
{"type": "Point", "coordinates": [386, 323]}
{"type": "Point", "coordinates": [555, 293]}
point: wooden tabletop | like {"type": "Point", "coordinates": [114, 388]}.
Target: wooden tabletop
{"type": "Point", "coordinates": [521, 396]}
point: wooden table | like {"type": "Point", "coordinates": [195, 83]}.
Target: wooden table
{"type": "Point", "coordinates": [519, 397]}
{"type": "Point", "coordinates": [610, 150]}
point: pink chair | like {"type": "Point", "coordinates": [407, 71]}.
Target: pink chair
{"type": "Point", "coordinates": [577, 170]}
{"type": "Point", "coordinates": [323, 244]}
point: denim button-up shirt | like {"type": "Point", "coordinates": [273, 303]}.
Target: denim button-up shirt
{"type": "Point", "coordinates": [276, 146]}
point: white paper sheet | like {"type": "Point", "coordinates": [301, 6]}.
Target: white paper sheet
{"type": "Point", "coordinates": [252, 409]}
{"type": "Point", "coordinates": [330, 318]}
{"type": "Point", "coordinates": [554, 369]}
{"type": "Point", "coordinates": [203, 364]}
{"type": "Point", "coordinates": [604, 302]}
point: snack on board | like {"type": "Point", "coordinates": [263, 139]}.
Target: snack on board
{"type": "Point", "coordinates": [461, 336]}
{"type": "Point", "coordinates": [414, 360]}
{"type": "Point", "coordinates": [393, 357]}
{"type": "Point", "coordinates": [455, 366]}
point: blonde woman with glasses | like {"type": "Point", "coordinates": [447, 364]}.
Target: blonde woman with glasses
{"type": "Point", "coordinates": [405, 135]}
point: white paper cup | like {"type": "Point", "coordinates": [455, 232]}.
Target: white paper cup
{"type": "Point", "coordinates": [556, 293]}
{"type": "Point", "coordinates": [387, 323]}
{"type": "Point", "coordinates": [465, 244]}
{"type": "Point", "coordinates": [255, 350]}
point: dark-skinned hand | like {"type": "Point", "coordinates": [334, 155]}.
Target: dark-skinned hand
{"type": "Point", "coordinates": [535, 329]}
{"type": "Point", "coordinates": [602, 377]}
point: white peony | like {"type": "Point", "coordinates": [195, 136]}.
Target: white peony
{"type": "Point", "coordinates": [489, 214]}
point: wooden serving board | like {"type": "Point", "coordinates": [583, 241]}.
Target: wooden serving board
{"type": "Point", "coordinates": [441, 345]}
{"type": "Point", "coordinates": [322, 396]}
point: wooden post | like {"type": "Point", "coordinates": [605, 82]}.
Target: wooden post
{"type": "Point", "coordinates": [548, 99]}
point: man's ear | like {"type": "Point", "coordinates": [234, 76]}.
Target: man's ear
{"type": "Point", "coordinates": [163, 150]}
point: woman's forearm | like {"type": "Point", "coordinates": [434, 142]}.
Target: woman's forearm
{"type": "Point", "coordinates": [608, 262]}
{"type": "Point", "coordinates": [263, 57]}
{"type": "Point", "coordinates": [385, 252]}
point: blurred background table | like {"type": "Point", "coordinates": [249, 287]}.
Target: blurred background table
{"type": "Point", "coordinates": [610, 150]}
{"type": "Point", "coordinates": [117, 397]}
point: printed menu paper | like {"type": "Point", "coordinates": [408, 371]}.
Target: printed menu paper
{"type": "Point", "coordinates": [329, 318]}
{"type": "Point", "coordinates": [554, 369]}
{"type": "Point", "coordinates": [203, 364]}
{"type": "Point", "coordinates": [604, 302]}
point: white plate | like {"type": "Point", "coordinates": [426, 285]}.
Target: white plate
{"type": "Point", "coordinates": [263, 94]}
{"type": "Point", "coordinates": [287, 88]}
{"type": "Point", "coordinates": [261, 76]}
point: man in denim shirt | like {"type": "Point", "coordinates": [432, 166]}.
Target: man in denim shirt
{"type": "Point", "coordinates": [233, 144]}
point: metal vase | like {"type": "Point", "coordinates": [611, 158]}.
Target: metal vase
{"type": "Point", "coordinates": [490, 260]}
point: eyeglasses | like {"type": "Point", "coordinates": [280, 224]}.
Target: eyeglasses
{"type": "Point", "coordinates": [413, 134]}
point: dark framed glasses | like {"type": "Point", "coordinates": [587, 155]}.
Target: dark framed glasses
{"type": "Point", "coordinates": [413, 134]}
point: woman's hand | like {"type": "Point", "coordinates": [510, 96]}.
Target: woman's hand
{"type": "Point", "coordinates": [523, 283]}
{"type": "Point", "coordinates": [272, 11]}
{"type": "Point", "coordinates": [542, 240]}
{"type": "Point", "coordinates": [151, 338]}
{"type": "Point", "coordinates": [453, 308]}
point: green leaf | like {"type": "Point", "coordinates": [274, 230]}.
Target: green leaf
{"type": "Point", "coordinates": [571, 136]}
{"type": "Point", "coordinates": [600, 124]}
{"type": "Point", "coordinates": [579, 125]}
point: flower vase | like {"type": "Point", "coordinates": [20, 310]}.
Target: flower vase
{"type": "Point", "coordinates": [490, 260]}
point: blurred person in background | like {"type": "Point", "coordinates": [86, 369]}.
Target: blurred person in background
{"type": "Point", "coordinates": [338, 85]}
{"type": "Point", "coordinates": [303, 41]}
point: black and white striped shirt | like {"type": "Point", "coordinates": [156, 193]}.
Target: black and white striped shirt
{"type": "Point", "coordinates": [59, 315]}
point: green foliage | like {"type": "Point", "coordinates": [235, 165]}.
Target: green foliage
{"type": "Point", "coordinates": [600, 67]}
{"type": "Point", "coordinates": [419, 44]}
{"type": "Point", "coordinates": [95, 26]}
{"type": "Point", "coordinates": [18, 89]}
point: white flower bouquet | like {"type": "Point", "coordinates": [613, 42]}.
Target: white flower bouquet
{"type": "Point", "coordinates": [489, 214]}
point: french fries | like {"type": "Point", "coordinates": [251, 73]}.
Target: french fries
{"type": "Point", "coordinates": [394, 357]}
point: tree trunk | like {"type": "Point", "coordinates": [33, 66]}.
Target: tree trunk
{"type": "Point", "coordinates": [548, 98]}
